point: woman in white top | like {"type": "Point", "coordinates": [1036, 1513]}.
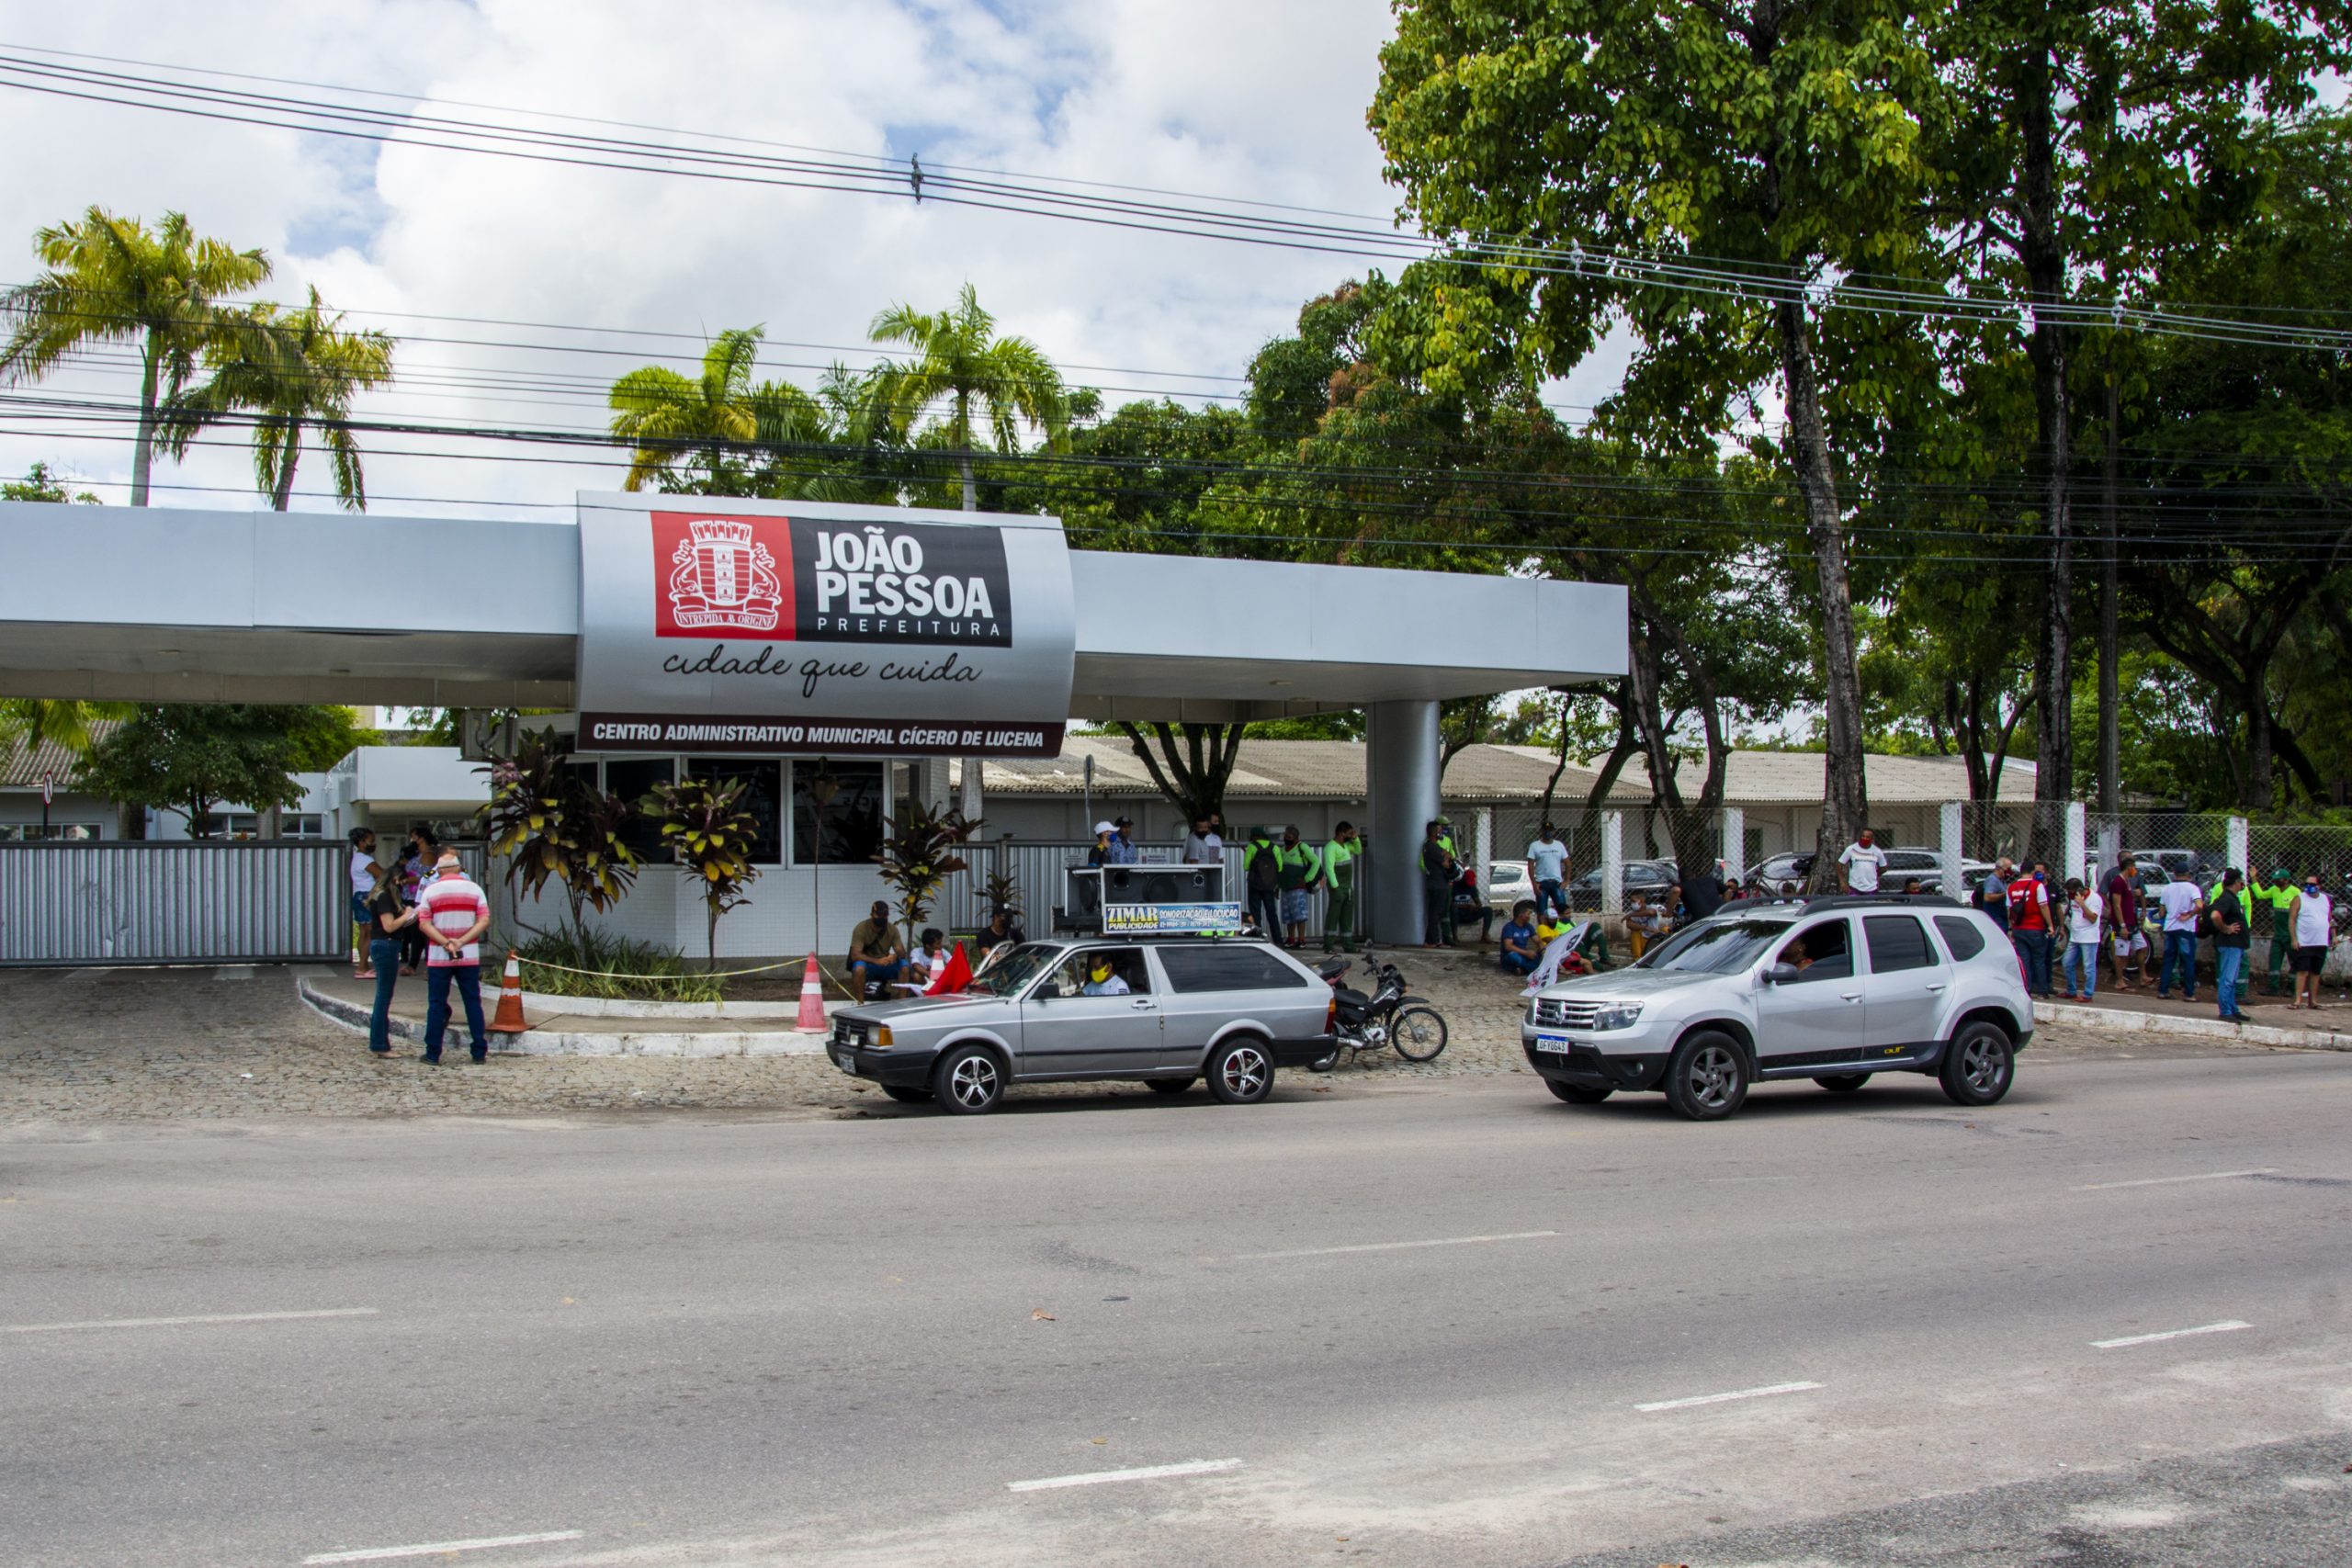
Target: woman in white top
{"type": "Point", "coordinates": [2313, 914]}
{"type": "Point", "coordinates": [2082, 941]}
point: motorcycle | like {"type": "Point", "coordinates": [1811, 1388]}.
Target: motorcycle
{"type": "Point", "coordinates": [1388, 1017]}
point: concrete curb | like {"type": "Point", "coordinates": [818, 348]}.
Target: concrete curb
{"type": "Point", "coordinates": [542, 1040]}
{"type": "Point", "coordinates": [616, 1006]}
{"type": "Point", "coordinates": [2123, 1022]}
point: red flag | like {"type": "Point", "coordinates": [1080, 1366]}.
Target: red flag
{"type": "Point", "coordinates": [953, 978]}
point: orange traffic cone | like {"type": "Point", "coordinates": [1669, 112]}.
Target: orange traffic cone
{"type": "Point", "coordinates": [510, 999]}
{"type": "Point", "coordinates": [812, 1002]}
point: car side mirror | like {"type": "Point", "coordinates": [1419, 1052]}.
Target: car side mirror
{"type": "Point", "coordinates": [1781, 974]}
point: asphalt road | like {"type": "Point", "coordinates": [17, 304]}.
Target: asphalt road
{"type": "Point", "coordinates": [1449, 1323]}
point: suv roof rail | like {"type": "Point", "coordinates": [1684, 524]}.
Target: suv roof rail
{"type": "Point", "coordinates": [1809, 902]}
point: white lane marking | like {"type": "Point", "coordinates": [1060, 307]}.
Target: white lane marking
{"type": "Point", "coordinates": [2231, 1326]}
{"type": "Point", "coordinates": [428, 1549]}
{"type": "Point", "coordinates": [2168, 1180]}
{"type": "Point", "coordinates": [1726, 1398]}
{"type": "Point", "coordinates": [1391, 1246]}
{"type": "Point", "coordinates": [1147, 1472]}
{"type": "Point", "coordinates": [176, 1322]}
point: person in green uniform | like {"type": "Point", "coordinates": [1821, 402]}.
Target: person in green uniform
{"type": "Point", "coordinates": [2278, 897]}
{"type": "Point", "coordinates": [1340, 857]}
{"type": "Point", "coordinates": [1297, 869]}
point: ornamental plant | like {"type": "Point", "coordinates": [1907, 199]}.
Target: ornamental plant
{"type": "Point", "coordinates": [919, 854]}
{"type": "Point", "coordinates": [710, 836]}
{"type": "Point", "coordinates": [550, 821]}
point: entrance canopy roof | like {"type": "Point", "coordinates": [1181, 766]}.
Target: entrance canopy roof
{"type": "Point", "coordinates": [169, 605]}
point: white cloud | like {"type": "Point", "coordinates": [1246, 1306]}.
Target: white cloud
{"type": "Point", "coordinates": [1214, 95]}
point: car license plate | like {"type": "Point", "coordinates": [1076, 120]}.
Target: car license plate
{"type": "Point", "coordinates": [848, 1063]}
{"type": "Point", "coordinates": [1553, 1044]}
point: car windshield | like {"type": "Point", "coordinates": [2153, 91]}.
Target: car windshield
{"type": "Point", "coordinates": [1714, 947]}
{"type": "Point", "coordinates": [1011, 974]}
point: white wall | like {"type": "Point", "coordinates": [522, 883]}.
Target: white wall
{"type": "Point", "coordinates": [778, 921]}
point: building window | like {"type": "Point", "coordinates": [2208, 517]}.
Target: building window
{"type": "Point", "coordinates": [632, 779]}
{"type": "Point", "coordinates": [853, 822]}
{"type": "Point", "coordinates": [301, 825]}
{"type": "Point", "coordinates": [763, 796]}
{"type": "Point", "coordinates": [32, 832]}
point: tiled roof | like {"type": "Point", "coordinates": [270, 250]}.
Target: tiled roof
{"type": "Point", "coordinates": [21, 768]}
{"type": "Point", "coordinates": [1334, 770]}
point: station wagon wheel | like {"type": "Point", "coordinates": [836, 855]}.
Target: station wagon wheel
{"type": "Point", "coordinates": [1241, 1072]}
{"type": "Point", "coordinates": [969, 1080]}
{"type": "Point", "coordinates": [1708, 1076]}
{"type": "Point", "coordinates": [1418, 1034]}
{"type": "Point", "coordinates": [1979, 1065]}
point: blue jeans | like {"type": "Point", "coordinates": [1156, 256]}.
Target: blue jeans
{"type": "Point", "coordinates": [2180, 948]}
{"type": "Point", "coordinates": [2082, 968]}
{"type": "Point", "coordinates": [384, 957]}
{"type": "Point", "coordinates": [1550, 895]}
{"type": "Point", "coordinates": [439, 978]}
{"type": "Point", "coordinates": [2229, 967]}
{"type": "Point", "coordinates": [2033, 959]}
{"type": "Point", "coordinates": [1517, 963]}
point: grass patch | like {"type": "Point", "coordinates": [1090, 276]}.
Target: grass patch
{"type": "Point", "coordinates": [563, 963]}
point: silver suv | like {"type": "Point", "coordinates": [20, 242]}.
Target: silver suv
{"type": "Point", "coordinates": [1830, 988]}
{"type": "Point", "coordinates": [1164, 1012]}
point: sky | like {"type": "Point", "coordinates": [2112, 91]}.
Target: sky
{"type": "Point", "coordinates": [1258, 101]}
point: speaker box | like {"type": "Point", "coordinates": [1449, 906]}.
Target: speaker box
{"type": "Point", "coordinates": [1154, 885]}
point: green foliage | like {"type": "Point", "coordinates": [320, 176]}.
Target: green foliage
{"type": "Point", "coordinates": [550, 821]}
{"type": "Point", "coordinates": [577, 962]}
{"type": "Point", "coordinates": [920, 854]}
{"type": "Point", "coordinates": [710, 837]}
{"type": "Point", "coordinates": [111, 280]}
{"type": "Point", "coordinates": [40, 484]}
{"type": "Point", "coordinates": [971, 380]}
{"type": "Point", "coordinates": [189, 758]}
{"type": "Point", "coordinates": [292, 371]}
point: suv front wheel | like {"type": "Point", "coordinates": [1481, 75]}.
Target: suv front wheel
{"type": "Point", "coordinates": [1978, 1065]}
{"type": "Point", "coordinates": [1708, 1077]}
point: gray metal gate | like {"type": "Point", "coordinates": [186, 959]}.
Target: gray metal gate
{"type": "Point", "coordinates": [122, 901]}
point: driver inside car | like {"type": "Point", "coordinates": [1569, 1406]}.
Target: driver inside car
{"type": "Point", "coordinates": [1102, 979]}
{"type": "Point", "coordinates": [1823, 944]}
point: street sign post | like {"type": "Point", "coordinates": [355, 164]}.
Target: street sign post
{"type": "Point", "coordinates": [47, 790]}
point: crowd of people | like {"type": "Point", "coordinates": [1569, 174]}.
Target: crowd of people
{"type": "Point", "coordinates": [419, 911]}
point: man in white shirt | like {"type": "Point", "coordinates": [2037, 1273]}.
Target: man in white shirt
{"type": "Point", "coordinates": [1547, 870]}
{"type": "Point", "coordinates": [1202, 845]}
{"type": "Point", "coordinates": [454, 914]}
{"type": "Point", "coordinates": [1858, 867]}
{"type": "Point", "coordinates": [2181, 902]}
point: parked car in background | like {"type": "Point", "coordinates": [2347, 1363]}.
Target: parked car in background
{"type": "Point", "coordinates": [1791, 871]}
{"type": "Point", "coordinates": [1507, 884]}
{"type": "Point", "coordinates": [1651, 876]}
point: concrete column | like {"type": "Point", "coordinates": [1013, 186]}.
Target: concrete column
{"type": "Point", "coordinates": [2239, 847]}
{"type": "Point", "coordinates": [1735, 844]}
{"type": "Point", "coordinates": [1401, 790]}
{"type": "Point", "coordinates": [1483, 835]}
{"type": "Point", "coordinates": [968, 796]}
{"type": "Point", "coordinates": [1955, 847]}
{"type": "Point", "coordinates": [2076, 839]}
{"type": "Point", "coordinates": [1612, 863]}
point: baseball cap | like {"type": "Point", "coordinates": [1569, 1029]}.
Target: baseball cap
{"type": "Point", "coordinates": [1106, 827]}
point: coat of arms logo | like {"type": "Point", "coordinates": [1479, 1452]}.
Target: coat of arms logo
{"type": "Point", "coordinates": [722, 578]}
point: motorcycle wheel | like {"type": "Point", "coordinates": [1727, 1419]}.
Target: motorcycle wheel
{"type": "Point", "coordinates": [1418, 1034]}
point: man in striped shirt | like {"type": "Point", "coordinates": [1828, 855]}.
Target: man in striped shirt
{"type": "Point", "coordinates": [453, 914]}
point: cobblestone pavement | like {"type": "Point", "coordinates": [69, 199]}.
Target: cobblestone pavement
{"type": "Point", "coordinates": [96, 1045]}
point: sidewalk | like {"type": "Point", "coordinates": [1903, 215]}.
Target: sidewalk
{"type": "Point", "coordinates": [2272, 1022]}
{"type": "Point", "coordinates": [348, 1001]}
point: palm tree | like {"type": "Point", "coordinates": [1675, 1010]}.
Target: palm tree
{"type": "Point", "coordinates": [667, 416]}
{"type": "Point", "coordinates": [114, 280]}
{"type": "Point", "coordinates": [291, 369]}
{"type": "Point", "coordinates": [961, 363]}
{"type": "Point", "coordinates": [35, 721]}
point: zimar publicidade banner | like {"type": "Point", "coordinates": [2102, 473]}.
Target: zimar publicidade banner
{"type": "Point", "coordinates": [714, 624]}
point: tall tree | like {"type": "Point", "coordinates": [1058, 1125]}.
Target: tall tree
{"type": "Point", "coordinates": [696, 434]}
{"type": "Point", "coordinates": [970, 378]}
{"type": "Point", "coordinates": [1742, 138]}
{"type": "Point", "coordinates": [294, 371]}
{"type": "Point", "coordinates": [2092, 139]}
{"type": "Point", "coordinates": [112, 279]}
{"type": "Point", "coordinates": [190, 758]}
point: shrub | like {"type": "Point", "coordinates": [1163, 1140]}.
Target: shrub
{"type": "Point", "coordinates": [610, 966]}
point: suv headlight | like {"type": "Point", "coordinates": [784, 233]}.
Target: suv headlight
{"type": "Point", "coordinates": [1617, 1015]}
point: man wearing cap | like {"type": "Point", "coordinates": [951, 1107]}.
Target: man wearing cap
{"type": "Point", "coordinates": [1261, 880]}
{"type": "Point", "coordinates": [453, 914]}
{"type": "Point", "coordinates": [1122, 850]}
{"type": "Point", "coordinates": [2278, 897]}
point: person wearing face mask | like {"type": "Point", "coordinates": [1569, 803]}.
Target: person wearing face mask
{"type": "Point", "coordinates": [1860, 866]}
{"type": "Point", "coordinates": [2312, 915]}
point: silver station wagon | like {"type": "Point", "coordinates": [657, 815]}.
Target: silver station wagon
{"type": "Point", "coordinates": [1164, 1011]}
